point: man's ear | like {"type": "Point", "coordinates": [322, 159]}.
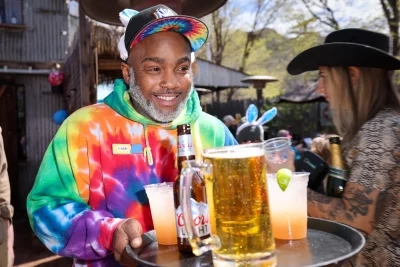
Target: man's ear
{"type": "Point", "coordinates": [354, 75]}
{"type": "Point", "coordinates": [125, 72]}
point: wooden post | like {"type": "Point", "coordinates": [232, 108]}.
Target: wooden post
{"type": "Point", "coordinates": [83, 57]}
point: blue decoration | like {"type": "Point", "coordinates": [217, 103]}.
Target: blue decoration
{"type": "Point", "coordinates": [59, 116]}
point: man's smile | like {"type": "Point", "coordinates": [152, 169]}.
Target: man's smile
{"type": "Point", "coordinates": [167, 100]}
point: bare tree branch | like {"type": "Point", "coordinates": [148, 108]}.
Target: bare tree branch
{"type": "Point", "coordinates": [331, 20]}
{"type": "Point", "coordinates": [264, 14]}
{"type": "Point", "coordinates": [391, 11]}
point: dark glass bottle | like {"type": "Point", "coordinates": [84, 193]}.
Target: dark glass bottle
{"type": "Point", "coordinates": [337, 173]}
{"type": "Point", "coordinates": [199, 209]}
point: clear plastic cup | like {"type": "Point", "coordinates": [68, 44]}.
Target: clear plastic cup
{"type": "Point", "coordinates": [288, 209]}
{"type": "Point", "coordinates": [161, 199]}
{"type": "Point", "coordinates": [277, 153]}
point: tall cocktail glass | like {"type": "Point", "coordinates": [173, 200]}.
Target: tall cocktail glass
{"type": "Point", "coordinates": [288, 208]}
{"type": "Point", "coordinates": [161, 199]}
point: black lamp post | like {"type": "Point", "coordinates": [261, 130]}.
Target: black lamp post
{"type": "Point", "coordinates": [259, 82]}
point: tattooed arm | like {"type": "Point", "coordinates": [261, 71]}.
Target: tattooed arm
{"type": "Point", "coordinates": [359, 207]}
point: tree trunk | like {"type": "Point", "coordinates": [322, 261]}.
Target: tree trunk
{"type": "Point", "coordinates": [391, 11]}
{"type": "Point", "coordinates": [231, 93]}
{"type": "Point", "coordinates": [247, 49]}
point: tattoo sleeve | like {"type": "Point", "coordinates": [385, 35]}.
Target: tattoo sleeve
{"type": "Point", "coordinates": [358, 207]}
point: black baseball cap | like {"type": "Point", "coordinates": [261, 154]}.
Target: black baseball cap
{"type": "Point", "coordinates": [161, 18]}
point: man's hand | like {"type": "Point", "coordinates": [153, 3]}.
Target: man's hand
{"type": "Point", "coordinates": [128, 232]}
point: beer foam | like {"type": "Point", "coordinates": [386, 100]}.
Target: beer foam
{"type": "Point", "coordinates": [236, 153]}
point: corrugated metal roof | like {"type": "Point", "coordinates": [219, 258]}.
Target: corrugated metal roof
{"type": "Point", "coordinates": [216, 77]}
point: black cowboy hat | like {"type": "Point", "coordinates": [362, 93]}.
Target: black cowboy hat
{"type": "Point", "coordinates": [347, 47]}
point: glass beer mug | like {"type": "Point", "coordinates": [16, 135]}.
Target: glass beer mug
{"type": "Point", "coordinates": [237, 196]}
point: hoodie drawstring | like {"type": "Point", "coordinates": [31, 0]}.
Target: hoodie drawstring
{"type": "Point", "coordinates": [147, 151]}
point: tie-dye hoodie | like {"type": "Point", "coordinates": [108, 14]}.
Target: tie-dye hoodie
{"type": "Point", "coordinates": [83, 190]}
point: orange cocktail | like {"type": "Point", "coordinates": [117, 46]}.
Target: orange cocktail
{"type": "Point", "coordinates": [161, 199]}
{"type": "Point", "coordinates": [288, 209]}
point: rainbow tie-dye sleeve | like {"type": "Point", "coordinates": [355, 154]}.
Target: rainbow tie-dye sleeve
{"type": "Point", "coordinates": [58, 212]}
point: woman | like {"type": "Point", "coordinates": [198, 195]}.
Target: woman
{"type": "Point", "coordinates": [354, 67]}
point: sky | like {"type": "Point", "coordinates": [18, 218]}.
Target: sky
{"type": "Point", "coordinates": [358, 10]}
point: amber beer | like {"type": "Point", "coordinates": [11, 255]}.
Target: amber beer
{"type": "Point", "coordinates": [337, 175]}
{"type": "Point", "coordinates": [199, 202]}
{"type": "Point", "coordinates": [238, 199]}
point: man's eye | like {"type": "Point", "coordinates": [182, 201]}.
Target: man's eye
{"type": "Point", "coordinates": [183, 68]}
{"type": "Point", "coordinates": [154, 69]}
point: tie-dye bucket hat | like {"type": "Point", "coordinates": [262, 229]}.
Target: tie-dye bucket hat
{"type": "Point", "coordinates": [161, 18]}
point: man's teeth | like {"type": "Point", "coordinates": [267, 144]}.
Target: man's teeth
{"type": "Point", "coordinates": [166, 98]}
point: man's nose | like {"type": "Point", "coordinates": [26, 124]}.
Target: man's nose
{"type": "Point", "coordinates": [170, 80]}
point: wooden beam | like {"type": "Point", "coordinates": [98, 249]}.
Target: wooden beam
{"type": "Point", "coordinates": [12, 27]}
{"type": "Point", "coordinates": [84, 57]}
{"type": "Point", "coordinates": [109, 64]}
{"type": "Point", "coordinates": [46, 65]}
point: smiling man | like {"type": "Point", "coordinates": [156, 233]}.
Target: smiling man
{"type": "Point", "coordinates": [88, 200]}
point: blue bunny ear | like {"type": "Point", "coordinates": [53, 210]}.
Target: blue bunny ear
{"type": "Point", "coordinates": [251, 113]}
{"type": "Point", "coordinates": [267, 116]}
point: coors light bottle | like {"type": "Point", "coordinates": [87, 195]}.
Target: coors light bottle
{"type": "Point", "coordinates": [199, 202]}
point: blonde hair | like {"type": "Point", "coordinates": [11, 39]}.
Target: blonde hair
{"type": "Point", "coordinates": [354, 104]}
{"type": "Point", "coordinates": [320, 146]}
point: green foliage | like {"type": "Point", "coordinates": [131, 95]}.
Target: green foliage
{"type": "Point", "coordinates": [298, 118]}
{"type": "Point", "coordinates": [271, 54]}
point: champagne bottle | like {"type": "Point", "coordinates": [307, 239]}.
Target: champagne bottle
{"type": "Point", "coordinates": [337, 175]}
{"type": "Point", "coordinates": [199, 201]}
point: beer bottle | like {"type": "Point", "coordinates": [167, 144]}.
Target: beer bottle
{"type": "Point", "coordinates": [199, 202]}
{"type": "Point", "coordinates": [337, 174]}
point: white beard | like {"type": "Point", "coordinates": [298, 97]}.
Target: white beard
{"type": "Point", "coordinates": [148, 108]}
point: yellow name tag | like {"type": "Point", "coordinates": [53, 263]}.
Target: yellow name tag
{"type": "Point", "coordinates": [121, 149]}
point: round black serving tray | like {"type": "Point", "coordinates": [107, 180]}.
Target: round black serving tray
{"type": "Point", "coordinates": [327, 244]}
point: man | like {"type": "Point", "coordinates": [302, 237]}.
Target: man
{"type": "Point", "coordinates": [230, 122]}
{"type": "Point", "coordinates": [88, 200]}
{"type": "Point", "coordinates": [6, 212]}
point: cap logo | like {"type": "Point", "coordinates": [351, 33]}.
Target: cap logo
{"type": "Point", "coordinates": [163, 12]}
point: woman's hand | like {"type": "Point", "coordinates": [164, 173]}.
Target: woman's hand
{"type": "Point", "coordinates": [273, 167]}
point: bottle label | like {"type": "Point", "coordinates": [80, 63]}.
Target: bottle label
{"type": "Point", "coordinates": [201, 219]}
{"type": "Point", "coordinates": [337, 173]}
{"type": "Point", "coordinates": [185, 145]}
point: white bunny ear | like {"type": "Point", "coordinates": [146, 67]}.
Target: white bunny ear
{"type": "Point", "coordinates": [126, 15]}
{"type": "Point", "coordinates": [267, 116]}
{"type": "Point", "coordinates": [192, 57]}
{"type": "Point", "coordinates": [251, 113]}
{"type": "Point", "coordinates": [241, 127]}
{"type": "Point", "coordinates": [122, 49]}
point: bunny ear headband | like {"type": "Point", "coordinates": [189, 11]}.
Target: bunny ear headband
{"type": "Point", "coordinates": [252, 114]}
{"type": "Point", "coordinates": [124, 17]}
